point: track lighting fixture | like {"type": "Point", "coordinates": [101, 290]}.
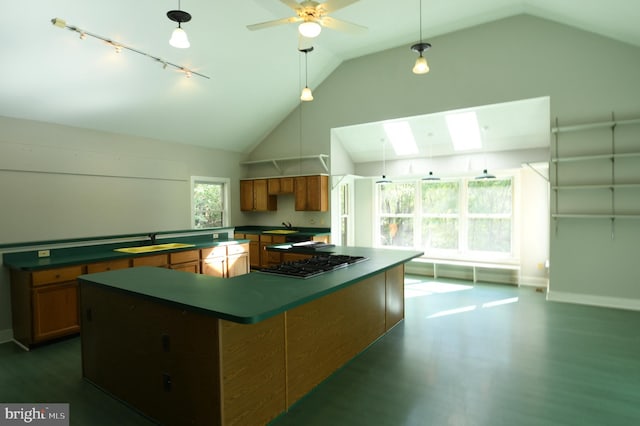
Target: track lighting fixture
{"type": "Point", "coordinates": [179, 37]}
{"type": "Point", "coordinates": [421, 66]}
{"type": "Point", "coordinates": [60, 23]}
{"type": "Point", "coordinates": [306, 92]}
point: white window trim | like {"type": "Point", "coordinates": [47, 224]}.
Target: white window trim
{"type": "Point", "coordinates": [208, 179]}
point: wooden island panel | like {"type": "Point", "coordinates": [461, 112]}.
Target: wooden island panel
{"type": "Point", "coordinates": [252, 370]}
{"type": "Point", "coordinates": [326, 333]}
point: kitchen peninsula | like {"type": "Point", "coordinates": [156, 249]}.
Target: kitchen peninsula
{"type": "Point", "coordinates": [192, 349]}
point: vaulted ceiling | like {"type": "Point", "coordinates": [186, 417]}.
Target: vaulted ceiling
{"type": "Point", "coordinates": [49, 74]}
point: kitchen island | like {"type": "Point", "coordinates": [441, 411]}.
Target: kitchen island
{"type": "Point", "coordinates": [192, 349]}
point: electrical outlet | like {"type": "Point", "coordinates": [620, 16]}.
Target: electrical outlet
{"type": "Point", "coordinates": [215, 236]}
{"type": "Point", "coordinates": [44, 253]}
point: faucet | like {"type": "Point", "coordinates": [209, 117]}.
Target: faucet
{"type": "Point", "coordinates": [152, 238]}
{"type": "Point", "coordinates": [287, 225]}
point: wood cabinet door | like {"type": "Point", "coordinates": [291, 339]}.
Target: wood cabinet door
{"type": "Point", "coordinates": [215, 267]}
{"type": "Point", "coordinates": [237, 264]}
{"type": "Point", "coordinates": [286, 185]}
{"type": "Point", "coordinates": [246, 195]}
{"type": "Point", "coordinates": [254, 254]}
{"type": "Point", "coordinates": [300, 191]}
{"type": "Point", "coordinates": [262, 201]}
{"type": "Point", "coordinates": [317, 193]}
{"type": "Point", "coordinates": [55, 311]}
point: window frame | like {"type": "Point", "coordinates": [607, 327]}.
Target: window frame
{"type": "Point", "coordinates": [225, 182]}
{"type": "Point", "coordinates": [462, 252]}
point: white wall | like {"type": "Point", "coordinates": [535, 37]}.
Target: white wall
{"type": "Point", "coordinates": [586, 76]}
{"type": "Point", "coordinates": [59, 182]}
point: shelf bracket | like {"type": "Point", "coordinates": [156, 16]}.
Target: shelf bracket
{"type": "Point", "coordinates": [275, 164]}
{"type": "Point", "coordinates": [536, 171]}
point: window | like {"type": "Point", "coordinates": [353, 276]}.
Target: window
{"type": "Point", "coordinates": [455, 218]}
{"type": "Point", "coordinates": [209, 202]}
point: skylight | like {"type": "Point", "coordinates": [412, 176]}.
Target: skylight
{"type": "Point", "coordinates": [464, 131]}
{"type": "Point", "coordinates": [401, 137]}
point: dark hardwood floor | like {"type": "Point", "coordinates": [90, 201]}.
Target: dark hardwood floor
{"type": "Point", "coordinates": [465, 355]}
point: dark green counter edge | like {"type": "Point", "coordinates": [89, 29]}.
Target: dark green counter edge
{"type": "Point", "coordinates": [249, 298]}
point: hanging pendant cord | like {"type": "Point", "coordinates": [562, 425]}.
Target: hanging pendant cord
{"type": "Point", "coordinates": [420, 21]}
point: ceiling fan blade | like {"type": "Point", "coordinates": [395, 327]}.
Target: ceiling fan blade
{"type": "Point", "coordinates": [268, 24]}
{"type": "Point", "coordinates": [344, 26]}
{"type": "Point", "coordinates": [332, 5]}
{"type": "Point", "coordinates": [293, 4]}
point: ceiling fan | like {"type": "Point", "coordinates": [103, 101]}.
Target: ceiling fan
{"type": "Point", "coordinates": [313, 16]}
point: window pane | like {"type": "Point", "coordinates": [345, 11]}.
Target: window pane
{"type": "Point", "coordinates": [344, 199]}
{"type": "Point", "coordinates": [208, 202]}
{"type": "Point", "coordinates": [396, 231]}
{"type": "Point", "coordinates": [344, 230]}
{"type": "Point", "coordinates": [440, 197]}
{"type": "Point", "coordinates": [490, 235]}
{"type": "Point", "coordinates": [490, 196]}
{"type": "Point", "coordinates": [396, 198]}
{"type": "Point", "coordinates": [440, 233]}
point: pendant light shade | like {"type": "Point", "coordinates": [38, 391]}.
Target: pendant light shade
{"type": "Point", "coordinates": [421, 66]}
{"type": "Point", "coordinates": [179, 37]}
{"type": "Point", "coordinates": [306, 95]}
{"type": "Point", "coordinates": [309, 29]}
{"type": "Point", "coordinates": [430, 176]}
{"type": "Point", "coordinates": [485, 175]}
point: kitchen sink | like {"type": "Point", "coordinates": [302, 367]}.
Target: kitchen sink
{"type": "Point", "coordinates": [155, 247]}
{"type": "Point", "coordinates": [280, 231]}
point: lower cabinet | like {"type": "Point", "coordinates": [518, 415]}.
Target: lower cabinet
{"type": "Point", "coordinates": [225, 261]}
{"type": "Point", "coordinates": [187, 261]}
{"type": "Point", "coordinates": [44, 304]}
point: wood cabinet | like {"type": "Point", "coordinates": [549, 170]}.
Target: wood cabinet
{"type": "Point", "coordinates": [45, 304]}
{"type": "Point", "coordinates": [254, 196]}
{"type": "Point", "coordinates": [312, 193]}
{"type": "Point", "coordinates": [188, 261]}
{"type": "Point", "coordinates": [110, 265]}
{"type": "Point", "coordinates": [225, 261]}
{"type": "Point", "coordinates": [277, 186]}
{"type": "Point", "coordinates": [159, 260]}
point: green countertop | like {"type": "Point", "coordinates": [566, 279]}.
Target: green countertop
{"type": "Point", "coordinates": [248, 298]}
{"type": "Point", "coordinates": [98, 253]}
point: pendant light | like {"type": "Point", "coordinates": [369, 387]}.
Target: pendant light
{"type": "Point", "coordinates": [485, 175]}
{"type": "Point", "coordinates": [384, 176]}
{"type": "Point", "coordinates": [421, 66]}
{"type": "Point", "coordinates": [306, 92]}
{"type": "Point", "coordinates": [430, 176]}
{"type": "Point", "coordinates": [179, 37]}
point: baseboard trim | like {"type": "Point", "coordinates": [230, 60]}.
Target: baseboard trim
{"type": "Point", "coordinates": [592, 300]}
{"type": "Point", "coordinates": [6, 335]}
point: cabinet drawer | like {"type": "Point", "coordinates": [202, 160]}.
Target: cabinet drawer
{"type": "Point", "coordinates": [111, 265]}
{"type": "Point", "coordinates": [252, 237]}
{"type": "Point", "coordinates": [237, 249]}
{"type": "Point", "coordinates": [184, 256]}
{"type": "Point", "coordinates": [211, 252]}
{"type": "Point", "coordinates": [156, 260]}
{"type": "Point", "coordinates": [193, 267]}
{"type": "Point", "coordinates": [57, 275]}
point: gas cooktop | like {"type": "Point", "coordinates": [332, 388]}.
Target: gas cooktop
{"type": "Point", "coordinates": [313, 266]}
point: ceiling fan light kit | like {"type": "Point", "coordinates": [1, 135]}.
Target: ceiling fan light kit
{"type": "Point", "coordinates": [309, 29]}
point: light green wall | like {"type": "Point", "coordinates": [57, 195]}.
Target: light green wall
{"type": "Point", "coordinates": [585, 75]}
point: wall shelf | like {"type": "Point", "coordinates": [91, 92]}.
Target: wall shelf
{"type": "Point", "coordinates": [603, 169]}
{"type": "Point", "coordinates": [322, 158]}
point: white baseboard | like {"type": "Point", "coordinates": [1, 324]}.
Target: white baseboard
{"type": "Point", "coordinates": [6, 335]}
{"type": "Point", "coordinates": [533, 281]}
{"type": "Point", "coordinates": [592, 300]}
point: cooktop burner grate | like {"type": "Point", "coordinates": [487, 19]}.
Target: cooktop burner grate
{"type": "Point", "coordinates": [313, 266]}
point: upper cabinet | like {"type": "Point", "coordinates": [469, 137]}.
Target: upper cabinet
{"type": "Point", "coordinates": [254, 196]}
{"type": "Point", "coordinates": [312, 193]}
